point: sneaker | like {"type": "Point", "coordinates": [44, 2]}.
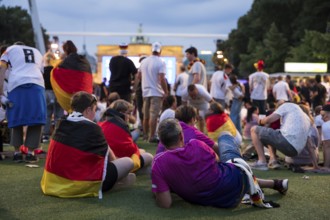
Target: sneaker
{"type": "Point", "coordinates": [259, 165]}
{"type": "Point", "coordinates": [153, 140]}
{"type": "Point", "coordinates": [18, 157]}
{"type": "Point", "coordinates": [274, 165]}
{"type": "Point", "coordinates": [281, 186]}
{"type": "Point", "coordinates": [45, 139]}
{"type": "Point", "coordinates": [29, 158]}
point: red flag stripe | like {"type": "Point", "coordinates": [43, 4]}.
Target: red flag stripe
{"type": "Point", "coordinates": [74, 164]}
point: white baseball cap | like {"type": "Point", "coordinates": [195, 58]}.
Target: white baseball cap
{"type": "Point", "coordinates": [156, 47]}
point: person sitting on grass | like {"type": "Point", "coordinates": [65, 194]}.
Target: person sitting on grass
{"type": "Point", "coordinates": [192, 172]}
{"type": "Point", "coordinates": [168, 108]}
{"type": "Point", "coordinates": [217, 121]}
{"type": "Point", "coordinates": [309, 155]}
{"type": "Point", "coordinates": [187, 116]}
{"type": "Point", "coordinates": [80, 163]}
{"type": "Point", "coordinates": [290, 138]}
{"type": "Point", "coordinates": [117, 133]}
{"type": "Point", "coordinates": [325, 113]}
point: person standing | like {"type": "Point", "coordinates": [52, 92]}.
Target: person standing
{"type": "Point", "coordinates": [236, 106]}
{"type": "Point", "coordinates": [154, 88]}
{"type": "Point", "coordinates": [258, 83]}
{"type": "Point", "coordinates": [181, 84]}
{"type": "Point", "coordinates": [122, 71]}
{"type": "Point", "coordinates": [104, 90]}
{"type": "Point", "coordinates": [196, 68]}
{"type": "Point", "coordinates": [326, 84]}
{"type": "Point", "coordinates": [281, 90]}
{"type": "Point", "coordinates": [72, 75]}
{"type": "Point", "coordinates": [26, 95]}
{"type": "Point", "coordinates": [53, 107]}
{"type": "Point", "coordinates": [220, 83]}
{"type": "Point", "coordinates": [319, 92]}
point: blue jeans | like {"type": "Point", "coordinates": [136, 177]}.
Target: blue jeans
{"type": "Point", "coordinates": [52, 108]}
{"type": "Point", "coordinates": [235, 114]}
{"type": "Point", "coordinates": [135, 134]}
{"type": "Point", "coordinates": [228, 147]}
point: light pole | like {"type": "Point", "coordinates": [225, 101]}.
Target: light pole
{"type": "Point", "coordinates": [38, 37]}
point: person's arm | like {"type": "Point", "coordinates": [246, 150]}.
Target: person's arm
{"type": "Point", "coordinates": [111, 155]}
{"type": "Point", "coordinates": [177, 83]}
{"type": "Point", "coordinates": [215, 147]}
{"type": "Point", "coordinates": [289, 94]}
{"type": "Point", "coordinates": [163, 199]}
{"type": "Point", "coordinates": [269, 119]}
{"type": "Point", "coordinates": [196, 78]}
{"type": "Point", "coordinates": [250, 84]}
{"type": "Point", "coordinates": [137, 80]}
{"type": "Point", "coordinates": [163, 83]}
{"type": "Point", "coordinates": [3, 68]}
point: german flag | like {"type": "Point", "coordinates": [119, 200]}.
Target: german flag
{"type": "Point", "coordinates": [218, 123]}
{"type": "Point", "coordinates": [72, 75]}
{"type": "Point", "coordinates": [119, 138]}
{"type": "Point", "coordinates": [76, 161]}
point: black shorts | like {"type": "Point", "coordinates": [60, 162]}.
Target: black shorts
{"type": "Point", "coordinates": [110, 178]}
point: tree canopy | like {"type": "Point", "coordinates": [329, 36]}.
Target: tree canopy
{"type": "Point", "coordinates": [279, 31]}
{"type": "Point", "coordinates": [16, 25]}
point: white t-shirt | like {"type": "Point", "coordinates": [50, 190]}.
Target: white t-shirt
{"type": "Point", "coordinates": [26, 66]}
{"type": "Point", "coordinates": [327, 87]}
{"type": "Point", "coordinates": [281, 90]}
{"type": "Point", "coordinates": [295, 125]}
{"type": "Point", "coordinates": [258, 83]}
{"type": "Point", "coordinates": [198, 68]}
{"type": "Point", "coordinates": [182, 81]}
{"type": "Point", "coordinates": [202, 100]}
{"type": "Point", "coordinates": [219, 84]}
{"type": "Point", "coordinates": [238, 92]}
{"type": "Point", "coordinates": [318, 121]}
{"type": "Point", "coordinates": [168, 113]}
{"type": "Point", "coordinates": [326, 131]}
{"type": "Point", "coordinates": [151, 68]}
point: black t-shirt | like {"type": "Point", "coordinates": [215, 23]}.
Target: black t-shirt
{"type": "Point", "coordinates": [321, 96]}
{"type": "Point", "coordinates": [122, 72]}
{"type": "Point", "coordinates": [47, 70]}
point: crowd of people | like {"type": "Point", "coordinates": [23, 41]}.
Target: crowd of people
{"type": "Point", "coordinates": [199, 124]}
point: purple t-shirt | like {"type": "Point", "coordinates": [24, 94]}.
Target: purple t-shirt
{"type": "Point", "coordinates": [189, 132]}
{"type": "Point", "coordinates": [193, 173]}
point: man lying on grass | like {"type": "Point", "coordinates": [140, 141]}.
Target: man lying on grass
{"type": "Point", "coordinates": [193, 172]}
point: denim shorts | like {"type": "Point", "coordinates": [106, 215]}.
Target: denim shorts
{"type": "Point", "coordinates": [229, 148]}
{"type": "Point", "coordinates": [274, 138]}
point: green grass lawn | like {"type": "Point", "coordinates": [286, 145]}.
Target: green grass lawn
{"type": "Point", "coordinates": [21, 198]}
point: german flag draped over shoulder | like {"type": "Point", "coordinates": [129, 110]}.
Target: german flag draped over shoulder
{"type": "Point", "coordinates": [72, 75]}
{"type": "Point", "coordinates": [218, 123]}
{"type": "Point", "coordinates": [118, 136]}
{"type": "Point", "coordinates": [76, 161]}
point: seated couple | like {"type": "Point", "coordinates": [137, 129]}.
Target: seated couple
{"type": "Point", "coordinates": [80, 162]}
